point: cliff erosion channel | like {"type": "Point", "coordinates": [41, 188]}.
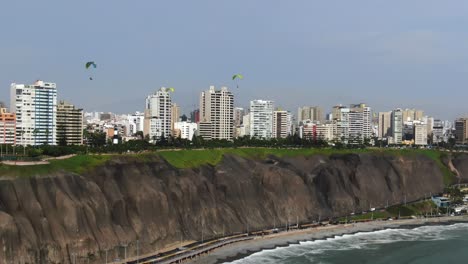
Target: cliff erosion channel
{"type": "Point", "coordinates": [53, 218]}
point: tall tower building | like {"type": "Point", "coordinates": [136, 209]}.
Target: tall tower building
{"type": "Point", "coordinates": [385, 124]}
{"type": "Point", "coordinates": [158, 114]}
{"type": "Point", "coordinates": [175, 115]}
{"type": "Point", "coordinates": [135, 123]}
{"type": "Point", "coordinates": [281, 124]}
{"type": "Point", "coordinates": [438, 131]}
{"type": "Point", "coordinates": [216, 114]}
{"type": "Point", "coordinates": [238, 118]}
{"type": "Point", "coordinates": [397, 126]}
{"type": "Point", "coordinates": [336, 112]}
{"type": "Point", "coordinates": [35, 107]}
{"type": "Point", "coordinates": [313, 113]}
{"type": "Point", "coordinates": [420, 134]}
{"type": "Point", "coordinates": [360, 122]}
{"type": "Point", "coordinates": [261, 119]}
{"type": "Point", "coordinates": [461, 130]}
{"type": "Point", "coordinates": [238, 115]}
{"type": "Point", "coordinates": [69, 124]}
{"type": "Point", "coordinates": [342, 123]}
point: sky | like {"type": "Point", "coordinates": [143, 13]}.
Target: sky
{"type": "Point", "coordinates": [388, 54]}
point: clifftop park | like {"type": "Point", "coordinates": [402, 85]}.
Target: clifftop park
{"type": "Point", "coordinates": [87, 206]}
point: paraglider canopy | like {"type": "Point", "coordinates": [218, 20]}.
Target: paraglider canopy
{"type": "Point", "coordinates": [171, 89]}
{"type": "Point", "coordinates": [90, 63]}
{"type": "Point", "coordinates": [237, 76]}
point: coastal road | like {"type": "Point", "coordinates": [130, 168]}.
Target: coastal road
{"type": "Point", "coordinates": [187, 254]}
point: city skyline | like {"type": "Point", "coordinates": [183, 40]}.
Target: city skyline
{"type": "Point", "coordinates": [398, 54]}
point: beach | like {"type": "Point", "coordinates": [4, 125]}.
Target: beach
{"type": "Point", "coordinates": [239, 250]}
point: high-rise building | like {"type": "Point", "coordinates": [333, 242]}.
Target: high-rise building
{"type": "Point", "coordinates": [360, 122]}
{"type": "Point", "coordinates": [238, 118]}
{"type": "Point", "coordinates": [175, 114]}
{"type": "Point", "coordinates": [158, 115]}
{"type": "Point", "coordinates": [461, 131]}
{"type": "Point", "coordinates": [420, 134]}
{"type": "Point", "coordinates": [342, 124]}
{"type": "Point", "coordinates": [69, 124]}
{"type": "Point", "coordinates": [35, 107]}
{"type": "Point", "coordinates": [385, 124]}
{"type": "Point", "coordinates": [308, 130]}
{"type": "Point", "coordinates": [397, 126]}
{"type": "Point", "coordinates": [438, 131]}
{"type": "Point", "coordinates": [429, 121]}
{"type": "Point", "coordinates": [216, 114]}
{"type": "Point", "coordinates": [418, 114]}
{"type": "Point", "coordinates": [412, 115]}
{"type": "Point", "coordinates": [313, 113]}
{"type": "Point", "coordinates": [185, 129]}
{"type": "Point", "coordinates": [325, 131]}
{"type": "Point", "coordinates": [261, 119]}
{"type": "Point", "coordinates": [281, 124]}
{"type": "Point", "coordinates": [135, 123]}
{"type": "Point", "coordinates": [7, 127]}
{"type": "Point", "coordinates": [245, 127]}
{"type": "Point", "coordinates": [239, 113]}
{"type": "Point", "coordinates": [336, 112]}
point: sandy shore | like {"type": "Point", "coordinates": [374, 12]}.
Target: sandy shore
{"type": "Point", "coordinates": [239, 250]}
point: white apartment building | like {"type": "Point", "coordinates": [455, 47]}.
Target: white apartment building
{"type": "Point", "coordinates": [360, 122]}
{"type": "Point", "coordinates": [135, 123]}
{"type": "Point", "coordinates": [397, 127]}
{"type": "Point", "coordinates": [282, 123]}
{"type": "Point", "coordinates": [186, 129]}
{"type": "Point", "coordinates": [245, 127]}
{"type": "Point", "coordinates": [420, 134]}
{"type": "Point", "coordinates": [35, 107]}
{"type": "Point", "coordinates": [216, 114]}
{"type": "Point", "coordinates": [308, 130]}
{"type": "Point", "coordinates": [342, 125]}
{"type": "Point", "coordinates": [158, 114]}
{"type": "Point", "coordinates": [261, 119]}
{"type": "Point", "coordinates": [325, 131]}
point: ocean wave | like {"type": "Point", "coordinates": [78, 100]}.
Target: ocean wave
{"type": "Point", "coordinates": [310, 250]}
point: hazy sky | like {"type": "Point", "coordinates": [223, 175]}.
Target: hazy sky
{"type": "Point", "coordinates": [399, 53]}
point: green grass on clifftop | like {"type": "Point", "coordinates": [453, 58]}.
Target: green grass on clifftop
{"type": "Point", "coordinates": [195, 158]}
{"type": "Point", "coordinates": [76, 164]}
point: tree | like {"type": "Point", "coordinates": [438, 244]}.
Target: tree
{"type": "Point", "coordinates": [140, 135]}
{"type": "Point", "coordinates": [96, 139]}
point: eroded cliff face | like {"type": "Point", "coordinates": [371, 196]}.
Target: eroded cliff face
{"type": "Point", "coordinates": [51, 219]}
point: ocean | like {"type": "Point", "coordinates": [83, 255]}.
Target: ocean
{"type": "Point", "coordinates": [426, 244]}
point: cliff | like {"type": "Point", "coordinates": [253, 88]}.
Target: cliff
{"type": "Point", "coordinates": [50, 219]}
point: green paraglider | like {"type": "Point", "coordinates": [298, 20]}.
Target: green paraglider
{"type": "Point", "coordinates": [237, 76]}
{"type": "Point", "coordinates": [90, 64]}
